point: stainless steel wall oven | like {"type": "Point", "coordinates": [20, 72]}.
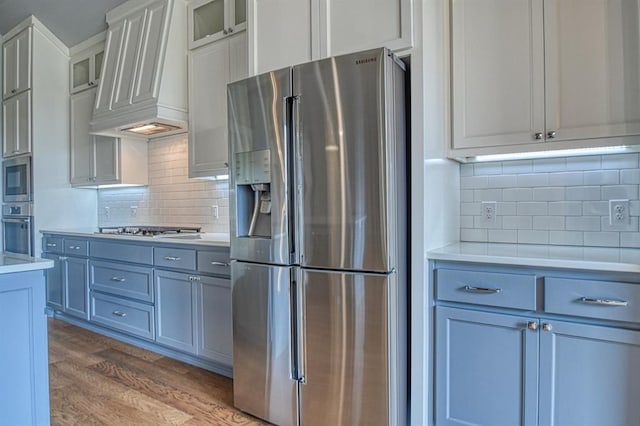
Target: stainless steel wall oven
{"type": "Point", "coordinates": [17, 228]}
{"type": "Point", "coordinates": [17, 179]}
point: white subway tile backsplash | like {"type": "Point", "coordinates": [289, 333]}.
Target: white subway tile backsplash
{"type": "Point", "coordinates": [548, 194]}
{"type": "Point", "coordinates": [566, 179]}
{"type": "Point", "coordinates": [517, 194]}
{"type": "Point", "coordinates": [171, 198]}
{"type": "Point", "coordinates": [559, 201]}
{"type": "Point", "coordinates": [533, 237]}
{"type": "Point", "coordinates": [565, 208]}
{"type": "Point", "coordinates": [532, 208]}
{"type": "Point", "coordinates": [502, 236]}
{"type": "Point", "coordinates": [548, 223]}
{"type": "Point", "coordinates": [466, 170]}
{"type": "Point", "coordinates": [583, 193]}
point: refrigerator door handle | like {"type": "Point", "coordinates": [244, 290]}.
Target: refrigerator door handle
{"type": "Point", "coordinates": [297, 314]}
{"type": "Point", "coordinates": [295, 171]}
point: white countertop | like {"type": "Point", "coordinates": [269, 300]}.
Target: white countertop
{"type": "Point", "coordinates": [571, 257]}
{"type": "Point", "coordinates": [205, 238]}
{"type": "Point", "coordinates": [12, 262]}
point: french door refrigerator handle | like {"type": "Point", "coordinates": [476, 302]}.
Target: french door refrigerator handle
{"type": "Point", "coordinates": [298, 354]}
{"type": "Point", "coordinates": [295, 177]}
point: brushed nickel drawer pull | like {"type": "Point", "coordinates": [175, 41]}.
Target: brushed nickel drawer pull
{"type": "Point", "coordinates": [214, 263]}
{"type": "Point", "coordinates": [194, 278]}
{"type": "Point", "coordinates": [52, 245]}
{"type": "Point", "coordinates": [483, 290]}
{"type": "Point", "coordinates": [119, 314]}
{"type": "Point", "coordinates": [172, 258]}
{"type": "Point", "coordinates": [118, 279]}
{"type": "Point", "coordinates": [602, 302]}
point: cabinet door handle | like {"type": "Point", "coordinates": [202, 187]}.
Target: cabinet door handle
{"type": "Point", "coordinates": [63, 258]}
{"type": "Point", "coordinates": [119, 314]}
{"type": "Point", "coordinates": [230, 30]}
{"type": "Point", "coordinates": [52, 245]}
{"type": "Point", "coordinates": [546, 327]}
{"type": "Point", "coordinates": [483, 290]}
{"type": "Point", "coordinates": [532, 325]}
{"type": "Point", "coordinates": [602, 302]}
{"type": "Point", "coordinates": [172, 258]}
{"type": "Point", "coordinates": [225, 32]}
{"type": "Point", "coordinates": [551, 134]}
{"type": "Point", "coordinates": [118, 279]}
{"type": "Point", "coordinates": [13, 90]}
{"type": "Point", "coordinates": [538, 136]}
{"type": "Point", "coordinates": [193, 278]}
{"type": "Point", "coordinates": [214, 263]}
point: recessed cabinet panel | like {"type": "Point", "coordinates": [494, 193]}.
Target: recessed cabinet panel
{"type": "Point", "coordinates": [16, 60]}
{"type": "Point", "coordinates": [149, 57]}
{"type": "Point", "coordinates": [115, 35]}
{"type": "Point", "coordinates": [131, 45]}
{"type": "Point", "coordinates": [106, 158]}
{"type": "Point", "coordinates": [497, 72]}
{"type": "Point", "coordinates": [81, 141]}
{"type": "Point", "coordinates": [592, 56]}
{"type": "Point", "coordinates": [16, 114]}
{"type": "Point", "coordinates": [215, 321]}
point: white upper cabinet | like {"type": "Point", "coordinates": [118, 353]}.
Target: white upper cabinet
{"type": "Point", "coordinates": [211, 68]}
{"type": "Point", "coordinates": [16, 63]}
{"type": "Point", "coordinates": [85, 68]}
{"type": "Point", "coordinates": [315, 29]}
{"type": "Point", "coordinates": [16, 131]}
{"type": "Point", "coordinates": [211, 20]}
{"type": "Point", "coordinates": [347, 26]}
{"type": "Point", "coordinates": [592, 57]}
{"type": "Point", "coordinates": [498, 72]}
{"type": "Point", "coordinates": [532, 75]}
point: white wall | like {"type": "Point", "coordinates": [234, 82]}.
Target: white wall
{"type": "Point", "coordinates": [171, 198]}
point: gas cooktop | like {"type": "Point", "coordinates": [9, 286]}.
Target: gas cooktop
{"type": "Point", "coordinates": [147, 231]}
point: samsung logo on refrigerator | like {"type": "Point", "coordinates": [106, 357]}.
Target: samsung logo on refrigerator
{"type": "Point", "coordinates": [365, 61]}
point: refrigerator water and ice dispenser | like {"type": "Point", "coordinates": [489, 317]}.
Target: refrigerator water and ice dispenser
{"type": "Point", "coordinates": [253, 193]}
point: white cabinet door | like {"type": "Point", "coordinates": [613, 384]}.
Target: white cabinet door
{"type": "Point", "coordinates": [352, 25]}
{"type": "Point", "coordinates": [212, 20]}
{"type": "Point", "coordinates": [81, 141]}
{"type": "Point", "coordinates": [592, 54]}
{"type": "Point", "coordinates": [16, 118]}
{"type": "Point", "coordinates": [211, 68]}
{"type": "Point", "coordinates": [16, 60]}
{"type": "Point", "coordinates": [106, 159]}
{"type": "Point", "coordinates": [147, 77]}
{"type": "Point", "coordinates": [498, 86]}
{"type": "Point", "coordinates": [85, 68]}
{"type": "Point", "coordinates": [131, 45]}
{"type": "Point", "coordinates": [115, 35]}
{"type": "Point", "coordinates": [281, 34]}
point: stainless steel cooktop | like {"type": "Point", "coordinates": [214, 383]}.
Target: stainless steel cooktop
{"type": "Point", "coordinates": [147, 231]}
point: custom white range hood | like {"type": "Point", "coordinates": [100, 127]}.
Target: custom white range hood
{"type": "Point", "coordinates": [143, 89]}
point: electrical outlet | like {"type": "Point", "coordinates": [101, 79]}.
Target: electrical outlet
{"type": "Point", "coordinates": [134, 211]}
{"type": "Point", "coordinates": [618, 212]}
{"type": "Point", "coordinates": [215, 212]}
{"type": "Point", "coordinates": [488, 213]}
{"type": "Point", "coordinates": [107, 212]}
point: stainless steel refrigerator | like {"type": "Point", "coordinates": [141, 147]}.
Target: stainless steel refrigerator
{"type": "Point", "coordinates": [319, 242]}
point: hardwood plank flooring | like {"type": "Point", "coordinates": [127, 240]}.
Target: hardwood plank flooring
{"type": "Point", "coordinates": [95, 380]}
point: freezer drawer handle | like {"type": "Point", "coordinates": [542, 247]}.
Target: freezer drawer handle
{"type": "Point", "coordinates": [119, 314]}
{"type": "Point", "coordinates": [118, 279]}
{"type": "Point", "coordinates": [482, 290]}
{"type": "Point", "coordinates": [602, 302]}
{"type": "Point", "coordinates": [172, 258]}
{"type": "Point", "coordinates": [219, 264]}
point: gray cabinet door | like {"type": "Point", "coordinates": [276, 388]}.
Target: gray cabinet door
{"type": "Point", "coordinates": [76, 287]}
{"type": "Point", "coordinates": [176, 310]}
{"type": "Point", "coordinates": [214, 320]}
{"type": "Point", "coordinates": [54, 282]}
{"type": "Point", "coordinates": [589, 375]}
{"type": "Point", "coordinates": [486, 369]}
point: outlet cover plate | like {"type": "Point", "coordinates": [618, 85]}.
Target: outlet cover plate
{"type": "Point", "coordinates": [488, 213]}
{"type": "Point", "coordinates": [618, 212]}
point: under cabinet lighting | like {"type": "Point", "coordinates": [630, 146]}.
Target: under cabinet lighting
{"type": "Point", "coordinates": [551, 154]}
{"type": "Point", "coordinates": [151, 129]}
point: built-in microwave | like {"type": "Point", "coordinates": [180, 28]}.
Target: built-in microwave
{"type": "Point", "coordinates": [17, 179]}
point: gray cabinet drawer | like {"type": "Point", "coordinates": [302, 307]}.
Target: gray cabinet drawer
{"type": "Point", "coordinates": [131, 281]}
{"type": "Point", "coordinates": [52, 244]}
{"type": "Point", "coordinates": [594, 299]}
{"type": "Point", "coordinates": [175, 258]}
{"type": "Point", "coordinates": [76, 247]}
{"type": "Point", "coordinates": [122, 251]}
{"type": "Point", "coordinates": [214, 262]}
{"type": "Point", "coordinates": [516, 291]}
{"type": "Point", "coordinates": [123, 315]}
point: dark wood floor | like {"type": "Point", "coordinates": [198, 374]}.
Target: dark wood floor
{"type": "Point", "coordinates": [96, 380]}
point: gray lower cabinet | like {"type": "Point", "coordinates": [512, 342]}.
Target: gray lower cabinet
{"type": "Point", "coordinates": [123, 315]}
{"type": "Point", "coordinates": [566, 353]}
{"type": "Point", "coordinates": [177, 311]}
{"type": "Point", "coordinates": [214, 319]}
{"type": "Point", "coordinates": [76, 288]}
{"type": "Point", "coordinates": [55, 282]}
